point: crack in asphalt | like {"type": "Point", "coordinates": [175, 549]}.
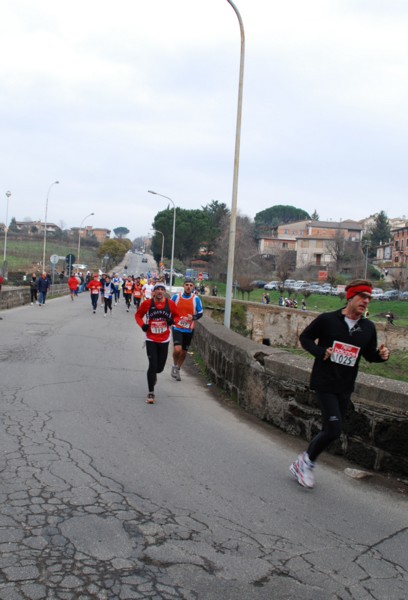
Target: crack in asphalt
{"type": "Point", "coordinates": [67, 531]}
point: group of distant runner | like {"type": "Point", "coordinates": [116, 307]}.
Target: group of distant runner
{"type": "Point", "coordinates": [159, 316]}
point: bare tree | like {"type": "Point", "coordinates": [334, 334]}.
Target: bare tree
{"type": "Point", "coordinates": [285, 263]}
{"type": "Point", "coordinates": [247, 262]}
{"type": "Point", "coordinates": [336, 247]}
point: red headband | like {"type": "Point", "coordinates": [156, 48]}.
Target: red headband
{"type": "Point", "coordinates": [358, 289]}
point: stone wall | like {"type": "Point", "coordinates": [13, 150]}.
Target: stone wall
{"type": "Point", "coordinates": [10, 297]}
{"type": "Point", "coordinates": [273, 385]}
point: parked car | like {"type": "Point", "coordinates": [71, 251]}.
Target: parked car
{"type": "Point", "coordinates": [175, 272]}
{"type": "Point", "coordinates": [258, 283]}
{"type": "Point", "coordinates": [273, 285]}
{"type": "Point", "coordinates": [390, 295]}
{"type": "Point", "coordinates": [289, 284]}
{"type": "Point", "coordinates": [326, 289]}
{"type": "Point", "coordinates": [376, 293]}
{"type": "Point", "coordinates": [404, 296]}
{"type": "Point", "coordinates": [315, 288]}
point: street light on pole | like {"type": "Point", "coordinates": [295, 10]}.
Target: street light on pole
{"type": "Point", "coordinates": [174, 233]}
{"type": "Point", "coordinates": [8, 194]}
{"type": "Point", "coordinates": [79, 236]}
{"type": "Point", "coordinates": [45, 225]}
{"type": "Point", "coordinates": [233, 219]}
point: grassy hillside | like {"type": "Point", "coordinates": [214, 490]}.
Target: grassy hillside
{"type": "Point", "coordinates": [25, 256]}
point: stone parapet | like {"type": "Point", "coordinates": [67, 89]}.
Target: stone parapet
{"type": "Point", "coordinates": [10, 297]}
{"type": "Point", "coordinates": [273, 385]}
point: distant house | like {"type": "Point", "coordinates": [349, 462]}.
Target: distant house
{"type": "Point", "coordinates": [101, 234]}
{"type": "Point", "coordinates": [311, 240]}
{"type": "Point", "coordinates": [36, 227]}
{"type": "Point", "coordinates": [268, 245]}
{"type": "Point", "coordinates": [384, 253]}
{"type": "Point", "coordinates": [86, 231]}
{"type": "Point", "coordinates": [400, 246]}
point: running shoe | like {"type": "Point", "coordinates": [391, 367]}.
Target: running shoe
{"type": "Point", "coordinates": [178, 376]}
{"type": "Point", "coordinates": [150, 398]}
{"type": "Point", "coordinates": [303, 471]}
{"type": "Point", "coordinates": [174, 371]}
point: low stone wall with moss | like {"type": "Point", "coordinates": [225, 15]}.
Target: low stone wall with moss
{"type": "Point", "coordinates": [10, 297]}
{"type": "Point", "coordinates": [273, 385]}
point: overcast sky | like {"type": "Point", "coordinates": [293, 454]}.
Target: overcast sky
{"type": "Point", "coordinates": [113, 99]}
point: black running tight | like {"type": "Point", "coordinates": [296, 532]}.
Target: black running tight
{"type": "Point", "coordinates": [334, 409]}
{"type": "Point", "coordinates": [157, 355]}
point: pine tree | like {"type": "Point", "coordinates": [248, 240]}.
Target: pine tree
{"type": "Point", "coordinates": [381, 231]}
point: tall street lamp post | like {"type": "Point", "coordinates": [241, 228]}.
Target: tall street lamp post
{"type": "Point", "coordinates": [79, 235]}
{"type": "Point", "coordinates": [45, 225]}
{"type": "Point", "coordinates": [233, 219]}
{"type": "Point", "coordinates": [8, 194]}
{"type": "Point", "coordinates": [174, 233]}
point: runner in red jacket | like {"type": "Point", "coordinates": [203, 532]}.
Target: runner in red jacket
{"type": "Point", "coordinates": [155, 317]}
{"type": "Point", "coordinates": [73, 286]}
{"type": "Point", "coordinates": [94, 286]}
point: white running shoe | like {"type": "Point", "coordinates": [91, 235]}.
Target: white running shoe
{"type": "Point", "coordinates": [174, 371]}
{"type": "Point", "coordinates": [302, 470]}
{"type": "Point", "coordinates": [178, 376]}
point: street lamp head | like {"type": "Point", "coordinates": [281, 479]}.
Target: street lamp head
{"type": "Point", "coordinates": [151, 192]}
{"type": "Point", "coordinates": [8, 193]}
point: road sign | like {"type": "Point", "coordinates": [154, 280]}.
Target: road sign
{"type": "Point", "coordinates": [54, 259]}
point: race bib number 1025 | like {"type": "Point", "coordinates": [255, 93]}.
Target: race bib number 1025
{"type": "Point", "coordinates": [344, 354]}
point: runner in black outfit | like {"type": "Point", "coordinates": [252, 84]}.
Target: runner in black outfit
{"type": "Point", "coordinates": [337, 340]}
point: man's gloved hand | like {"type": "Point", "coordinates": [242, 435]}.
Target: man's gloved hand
{"type": "Point", "coordinates": [145, 327]}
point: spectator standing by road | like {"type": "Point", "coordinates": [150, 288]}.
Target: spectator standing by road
{"type": "Point", "coordinates": [190, 308]}
{"type": "Point", "coordinates": [390, 317]}
{"type": "Point", "coordinates": [94, 286]}
{"type": "Point", "coordinates": [43, 285]}
{"type": "Point", "coordinates": [155, 316]}
{"type": "Point", "coordinates": [337, 340]}
{"type": "Point", "coordinates": [33, 288]}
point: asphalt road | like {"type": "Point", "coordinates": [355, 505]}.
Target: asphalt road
{"type": "Point", "coordinates": [103, 496]}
